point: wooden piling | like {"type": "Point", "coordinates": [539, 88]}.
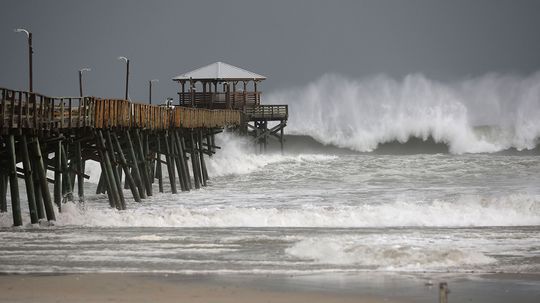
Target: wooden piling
{"type": "Point", "coordinates": [80, 171]}
{"type": "Point", "coordinates": [158, 172]}
{"type": "Point", "coordinates": [14, 186]}
{"type": "Point", "coordinates": [170, 165]}
{"type": "Point", "coordinates": [114, 165]}
{"type": "Point", "coordinates": [135, 167]}
{"type": "Point", "coordinates": [129, 178]}
{"type": "Point", "coordinates": [183, 168]}
{"type": "Point", "coordinates": [42, 177]}
{"type": "Point", "coordinates": [66, 177]}
{"type": "Point", "coordinates": [185, 160]}
{"type": "Point", "coordinates": [37, 189]}
{"type": "Point", "coordinates": [195, 162]}
{"type": "Point", "coordinates": [204, 172]}
{"type": "Point", "coordinates": [3, 193]}
{"type": "Point", "coordinates": [141, 160]}
{"type": "Point", "coordinates": [58, 175]}
{"type": "Point", "coordinates": [29, 181]}
{"type": "Point", "coordinates": [114, 197]}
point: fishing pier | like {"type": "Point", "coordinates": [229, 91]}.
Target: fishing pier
{"type": "Point", "coordinates": [47, 140]}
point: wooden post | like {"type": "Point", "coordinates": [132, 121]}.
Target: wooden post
{"type": "Point", "coordinates": [185, 160]}
{"type": "Point", "coordinates": [177, 160]}
{"type": "Point", "coordinates": [3, 193]}
{"type": "Point", "coordinates": [13, 184]}
{"type": "Point", "coordinates": [129, 178]}
{"type": "Point", "coordinates": [58, 176]}
{"type": "Point", "coordinates": [143, 168]}
{"type": "Point", "coordinates": [109, 176]}
{"type": "Point", "coordinates": [195, 162]}
{"type": "Point", "coordinates": [443, 292]}
{"type": "Point", "coordinates": [170, 159]}
{"type": "Point", "coordinates": [37, 187]}
{"type": "Point", "coordinates": [204, 172]}
{"type": "Point", "coordinates": [29, 181]}
{"type": "Point", "coordinates": [117, 179]}
{"type": "Point", "coordinates": [66, 178]}
{"type": "Point", "coordinates": [101, 187]}
{"type": "Point", "coordinates": [281, 138]}
{"type": "Point", "coordinates": [45, 193]}
{"type": "Point", "coordinates": [186, 184]}
{"type": "Point", "coordinates": [80, 171]}
{"type": "Point", "coordinates": [135, 167]}
{"type": "Point", "coordinates": [158, 164]}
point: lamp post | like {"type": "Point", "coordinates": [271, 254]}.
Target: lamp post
{"type": "Point", "coordinates": [127, 75]}
{"type": "Point", "coordinates": [150, 89]}
{"type": "Point", "coordinates": [30, 52]}
{"type": "Point", "coordinates": [84, 69]}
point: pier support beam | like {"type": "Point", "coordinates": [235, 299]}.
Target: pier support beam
{"type": "Point", "coordinates": [29, 181]}
{"type": "Point", "coordinates": [42, 177]}
{"type": "Point", "coordinates": [135, 167]}
{"type": "Point", "coordinates": [129, 178]}
{"type": "Point", "coordinates": [14, 186]}
{"type": "Point", "coordinates": [80, 171]}
{"type": "Point", "coordinates": [3, 193]}
{"type": "Point", "coordinates": [170, 161]}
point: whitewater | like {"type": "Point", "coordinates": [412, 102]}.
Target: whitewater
{"type": "Point", "coordinates": [333, 202]}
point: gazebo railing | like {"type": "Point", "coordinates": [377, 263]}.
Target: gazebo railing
{"type": "Point", "coordinates": [232, 100]}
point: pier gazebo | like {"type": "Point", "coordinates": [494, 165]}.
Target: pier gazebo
{"type": "Point", "coordinates": [219, 86]}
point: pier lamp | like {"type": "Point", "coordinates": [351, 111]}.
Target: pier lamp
{"type": "Point", "coordinates": [127, 74]}
{"type": "Point", "coordinates": [84, 69]}
{"type": "Point", "coordinates": [150, 89]}
{"type": "Point", "coordinates": [30, 52]}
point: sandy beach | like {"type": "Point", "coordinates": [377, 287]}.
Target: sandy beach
{"type": "Point", "coordinates": [332, 288]}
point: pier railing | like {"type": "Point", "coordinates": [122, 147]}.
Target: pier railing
{"type": "Point", "coordinates": [230, 100]}
{"type": "Point", "coordinates": [24, 110]}
{"type": "Point", "coordinates": [268, 112]}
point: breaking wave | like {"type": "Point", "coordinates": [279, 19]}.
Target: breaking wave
{"type": "Point", "coordinates": [513, 210]}
{"type": "Point", "coordinates": [485, 114]}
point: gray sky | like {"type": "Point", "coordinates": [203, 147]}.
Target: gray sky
{"type": "Point", "coordinates": [291, 42]}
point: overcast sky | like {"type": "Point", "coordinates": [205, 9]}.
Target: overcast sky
{"type": "Point", "coordinates": [290, 42]}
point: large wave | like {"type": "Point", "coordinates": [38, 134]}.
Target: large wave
{"type": "Point", "coordinates": [484, 114]}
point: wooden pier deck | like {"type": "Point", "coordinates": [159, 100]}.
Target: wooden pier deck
{"type": "Point", "coordinates": [131, 139]}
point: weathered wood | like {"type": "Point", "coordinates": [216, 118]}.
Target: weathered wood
{"type": "Point", "coordinates": [158, 165]}
{"type": "Point", "coordinates": [135, 167]}
{"type": "Point", "coordinates": [186, 186]}
{"type": "Point", "coordinates": [58, 176]}
{"type": "Point", "coordinates": [3, 192]}
{"type": "Point", "coordinates": [123, 163]}
{"type": "Point", "coordinates": [40, 168]}
{"type": "Point", "coordinates": [37, 188]}
{"type": "Point", "coordinates": [29, 181]}
{"type": "Point", "coordinates": [80, 171]}
{"type": "Point", "coordinates": [110, 149]}
{"type": "Point", "coordinates": [141, 161]}
{"type": "Point", "coordinates": [114, 197]}
{"type": "Point", "coordinates": [66, 177]}
{"type": "Point", "coordinates": [195, 162]}
{"type": "Point", "coordinates": [201, 155]}
{"type": "Point", "coordinates": [14, 186]}
{"type": "Point", "coordinates": [170, 165]}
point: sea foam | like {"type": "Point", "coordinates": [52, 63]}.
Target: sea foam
{"type": "Point", "coordinates": [484, 114]}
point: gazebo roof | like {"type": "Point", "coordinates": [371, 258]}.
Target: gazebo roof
{"type": "Point", "coordinates": [219, 71]}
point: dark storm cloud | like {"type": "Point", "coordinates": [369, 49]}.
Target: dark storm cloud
{"type": "Point", "coordinates": [291, 42]}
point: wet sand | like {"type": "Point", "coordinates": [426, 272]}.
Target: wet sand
{"type": "Point", "coordinates": [331, 288]}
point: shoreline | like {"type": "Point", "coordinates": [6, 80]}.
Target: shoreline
{"type": "Point", "coordinates": [369, 287]}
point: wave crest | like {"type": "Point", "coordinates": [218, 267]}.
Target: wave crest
{"type": "Point", "coordinates": [361, 114]}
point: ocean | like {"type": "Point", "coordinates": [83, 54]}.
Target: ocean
{"type": "Point", "coordinates": [379, 175]}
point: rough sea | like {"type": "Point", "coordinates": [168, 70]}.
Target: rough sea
{"type": "Point", "coordinates": [352, 193]}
